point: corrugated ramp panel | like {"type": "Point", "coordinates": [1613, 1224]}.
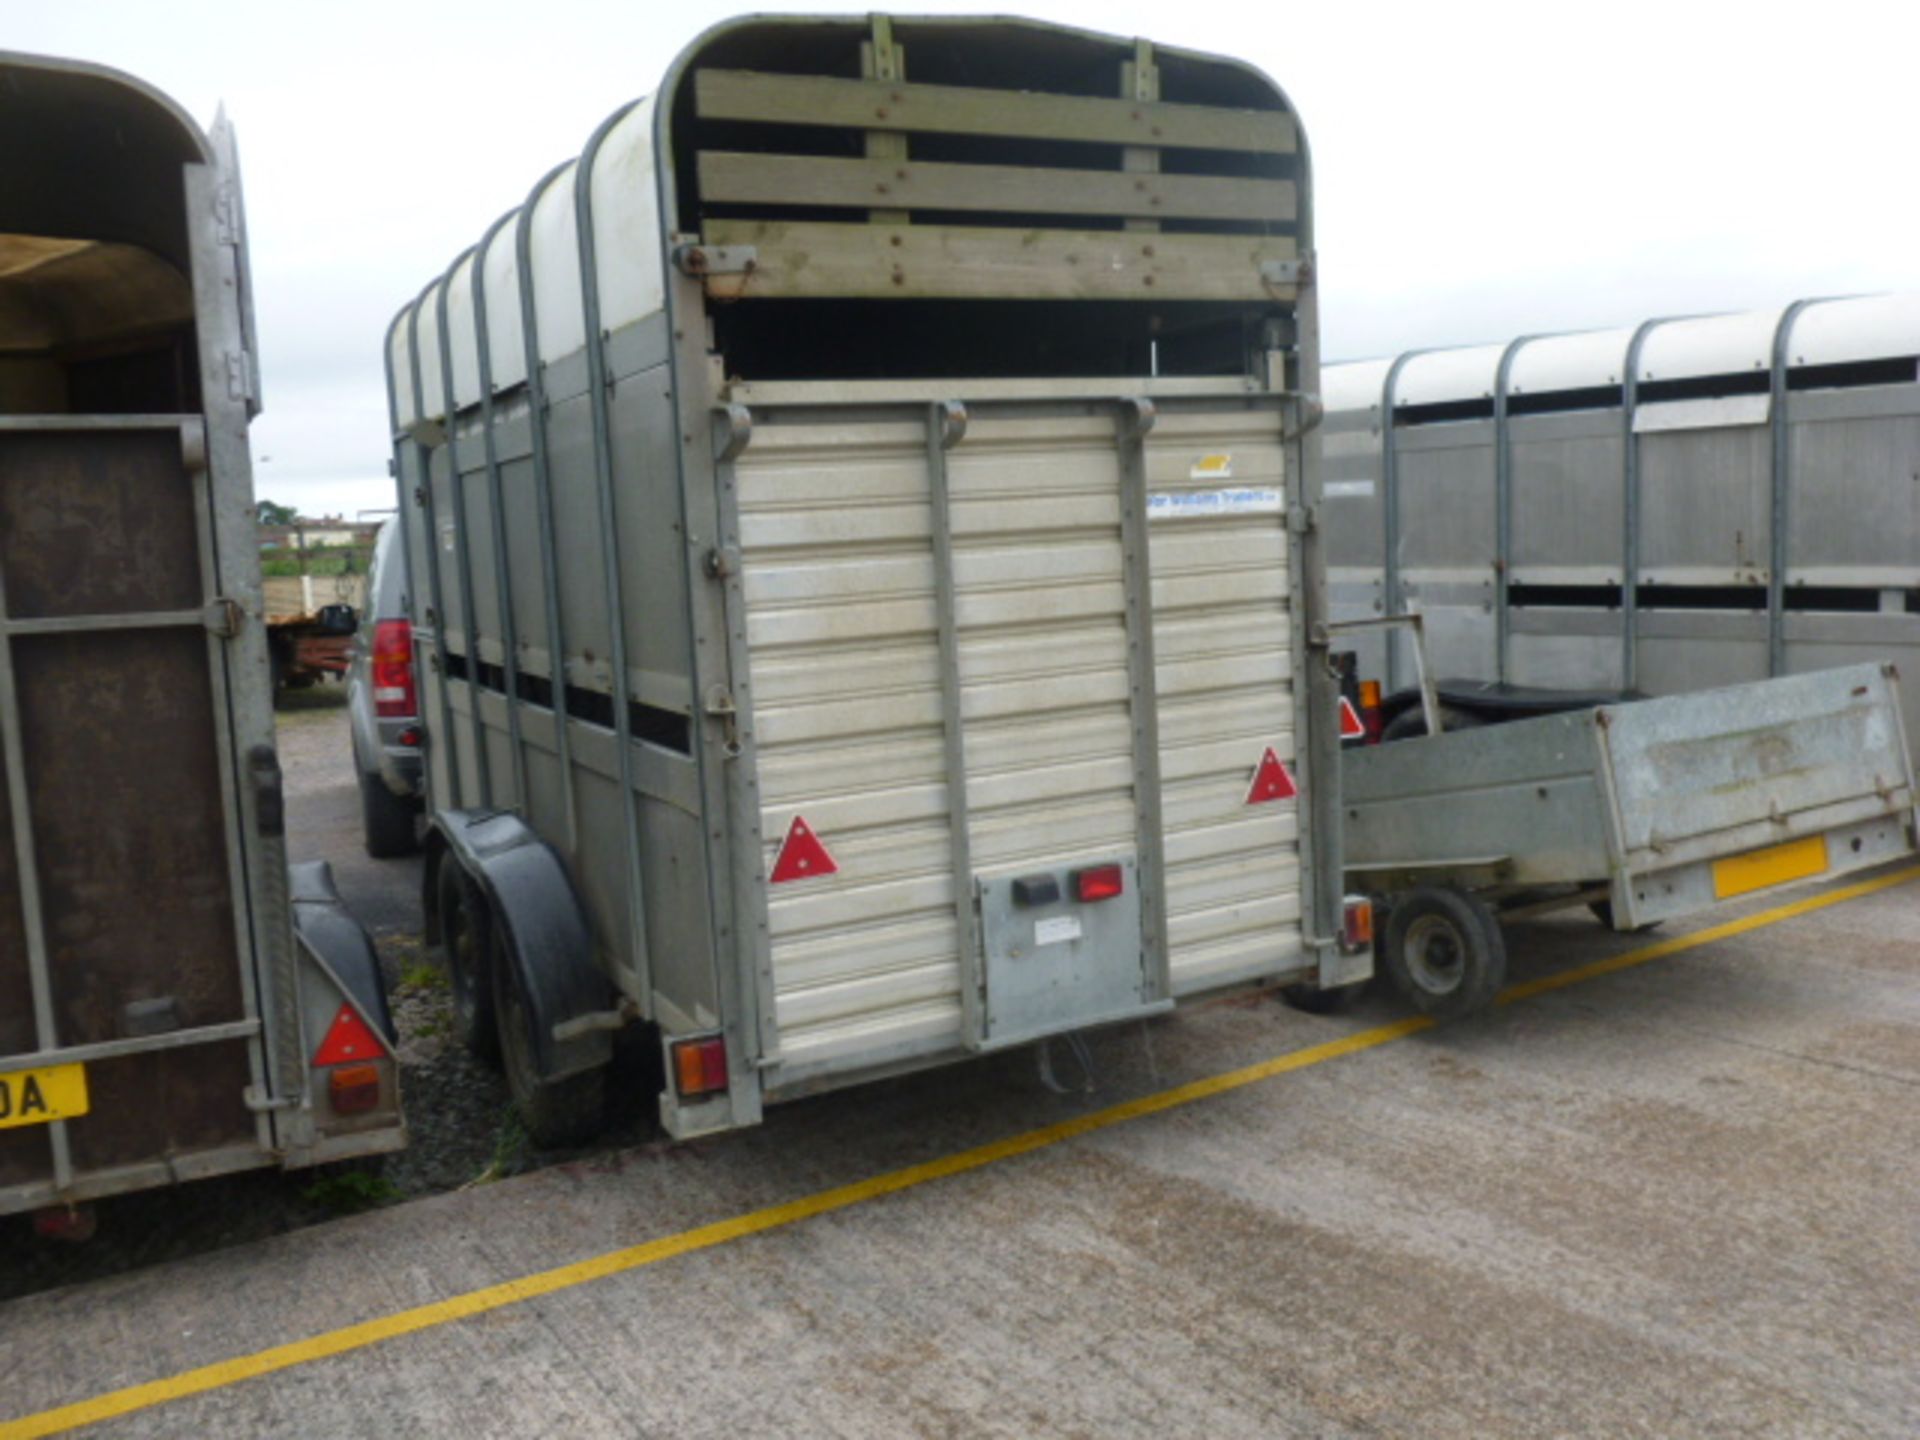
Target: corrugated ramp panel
{"type": "Point", "coordinates": [842, 632]}
{"type": "Point", "coordinates": [1223, 648]}
{"type": "Point", "coordinates": [839, 580]}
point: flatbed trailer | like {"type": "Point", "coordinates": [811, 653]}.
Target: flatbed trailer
{"type": "Point", "coordinates": [1645, 811]}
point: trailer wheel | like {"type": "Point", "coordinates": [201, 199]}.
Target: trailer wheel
{"type": "Point", "coordinates": [557, 1114]}
{"type": "Point", "coordinates": [1444, 952]}
{"type": "Point", "coordinates": [466, 935]}
{"type": "Point", "coordinates": [1603, 912]}
{"type": "Point", "coordinates": [1315, 1001]}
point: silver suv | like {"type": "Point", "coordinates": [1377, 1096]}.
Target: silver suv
{"type": "Point", "coordinates": [383, 702]}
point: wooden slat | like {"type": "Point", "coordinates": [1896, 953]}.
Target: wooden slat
{"type": "Point", "coordinates": [966, 110]}
{"type": "Point", "coordinates": [730, 177]}
{"type": "Point", "coordinates": [808, 260]}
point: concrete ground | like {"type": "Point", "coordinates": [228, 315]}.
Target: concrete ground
{"type": "Point", "coordinates": [1679, 1199]}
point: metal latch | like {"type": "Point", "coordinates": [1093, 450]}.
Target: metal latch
{"type": "Point", "coordinates": [720, 706]}
{"type": "Point", "coordinates": [700, 260]}
{"type": "Point", "coordinates": [722, 562]}
{"type": "Point", "coordinates": [1287, 272]}
{"type": "Point", "coordinates": [222, 617]}
{"type": "Point", "coordinates": [239, 375]}
{"type": "Point", "coordinates": [1302, 519]}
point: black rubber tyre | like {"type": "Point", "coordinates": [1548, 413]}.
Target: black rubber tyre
{"type": "Point", "coordinates": [1603, 912]}
{"type": "Point", "coordinates": [1444, 952]}
{"type": "Point", "coordinates": [557, 1114]}
{"type": "Point", "coordinates": [466, 938]}
{"type": "Point", "coordinates": [386, 820]}
{"type": "Point", "coordinates": [1410, 724]}
{"type": "Point", "coordinates": [1315, 1001]}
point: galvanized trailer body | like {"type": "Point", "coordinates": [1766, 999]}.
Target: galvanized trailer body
{"type": "Point", "coordinates": [1659, 808]}
{"type": "Point", "coordinates": [843, 509]}
{"type": "Point", "coordinates": [1686, 503]}
{"type": "Point", "coordinates": [156, 999]}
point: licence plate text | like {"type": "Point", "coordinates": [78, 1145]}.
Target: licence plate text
{"type": "Point", "coordinates": [38, 1097]}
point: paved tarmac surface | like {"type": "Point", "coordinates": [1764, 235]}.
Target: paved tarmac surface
{"type": "Point", "coordinates": [1674, 1200]}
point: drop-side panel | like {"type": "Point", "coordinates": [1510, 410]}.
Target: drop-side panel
{"type": "Point", "coordinates": [841, 581]}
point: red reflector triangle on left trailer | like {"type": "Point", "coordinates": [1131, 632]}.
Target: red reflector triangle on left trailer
{"type": "Point", "coordinates": [801, 856]}
{"type": "Point", "coordinates": [1271, 780]}
{"type": "Point", "coordinates": [348, 1038]}
{"type": "Point", "coordinates": [1350, 726]}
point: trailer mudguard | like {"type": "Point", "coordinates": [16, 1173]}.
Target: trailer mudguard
{"type": "Point", "coordinates": [323, 921]}
{"type": "Point", "coordinates": [544, 930]}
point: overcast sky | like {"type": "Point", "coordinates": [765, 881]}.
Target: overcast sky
{"type": "Point", "coordinates": [1481, 169]}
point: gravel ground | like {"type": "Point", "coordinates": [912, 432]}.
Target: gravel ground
{"type": "Point", "coordinates": [461, 1128]}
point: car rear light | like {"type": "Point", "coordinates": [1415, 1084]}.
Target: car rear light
{"type": "Point", "coordinates": [700, 1067]}
{"type": "Point", "coordinates": [393, 691]}
{"type": "Point", "coordinates": [409, 737]}
{"type": "Point", "coordinates": [1099, 882]}
{"type": "Point", "coordinates": [1356, 924]}
{"type": "Point", "coordinates": [1370, 713]}
{"type": "Point", "coordinates": [354, 1089]}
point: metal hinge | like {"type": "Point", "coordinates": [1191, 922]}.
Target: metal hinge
{"type": "Point", "coordinates": [722, 562]}
{"type": "Point", "coordinates": [1302, 519]}
{"type": "Point", "coordinates": [698, 260]}
{"type": "Point", "coordinates": [239, 375]}
{"type": "Point", "coordinates": [222, 617]}
{"type": "Point", "coordinates": [226, 214]}
{"type": "Point", "coordinates": [1288, 272]}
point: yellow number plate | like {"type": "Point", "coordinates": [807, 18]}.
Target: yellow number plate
{"type": "Point", "coordinates": [35, 1097]}
{"type": "Point", "coordinates": [1795, 860]}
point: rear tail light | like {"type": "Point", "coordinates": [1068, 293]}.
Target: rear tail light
{"type": "Point", "coordinates": [393, 692]}
{"type": "Point", "coordinates": [700, 1067]}
{"type": "Point", "coordinates": [1356, 924]}
{"type": "Point", "coordinates": [1099, 882]}
{"type": "Point", "coordinates": [1370, 713]}
{"type": "Point", "coordinates": [354, 1089]}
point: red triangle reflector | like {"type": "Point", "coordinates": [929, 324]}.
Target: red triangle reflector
{"type": "Point", "coordinates": [801, 856]}
{"type": "Point", "coordinates": [348, 1038]}
{"type": "Point", "coordinates": [1350, 726]}
{"type": "Point", "coordinates": [1271, 780]}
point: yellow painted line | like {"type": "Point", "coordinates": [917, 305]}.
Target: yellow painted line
{"type": "Point", "coordinates": [545, 1282]}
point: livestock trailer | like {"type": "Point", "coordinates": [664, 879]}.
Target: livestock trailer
{"type": "Point", "coordinates": [173, 1003]}
{"type": "Point", "coordinates": [1677, 505]}
{"type": "Point", "coordinates": [862, 512]}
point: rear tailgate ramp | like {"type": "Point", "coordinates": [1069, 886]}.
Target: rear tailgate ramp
{"type": "Point", "coordinates": [1721, 793]}
{"type": "Point", "coordinates": [121, 803]}
{"type": "Point", "coordinates": [1083, 670]}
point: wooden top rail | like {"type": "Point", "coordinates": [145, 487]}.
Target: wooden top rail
{"type": "Point", "coordinates": [968, 110]}
{"type": "Point", "coordinates": [730, 178]}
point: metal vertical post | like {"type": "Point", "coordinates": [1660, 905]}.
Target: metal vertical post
{"type": "Point", "coordinates": [543, 502]}
{"type": "Point", "coordinates": [26, 860]}
{"type": "Point", "coordinates": [1630, 480]}
{"type": "Point", "coordinates": [1390, 505]}
{"type": "Point", "coordinates": [463, 551]}
{"type": "Point", "coordinates": [1136, 419]}
{"type": "Point", "coordinates": [437, 606]}
{"type": "Point", "coordinates": [1781, 480]}
{"type": "Point", "coordinates": [946, 424]}
{"type": "Point", "coordinates": [598, 390]}
{"type": "Point", "coordinates": [1503, 507]}
{"type": "Point", "coordinates": [496, 515]}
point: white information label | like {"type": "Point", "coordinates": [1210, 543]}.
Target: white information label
{"type": "Point", "coordinates": [1057, 930]}
{"type": "Point", "coordinates": [1353, 489]}
{"type": "Point", "coordinates": [1210, 504]}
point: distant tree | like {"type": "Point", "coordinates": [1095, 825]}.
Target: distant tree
{"type": "Point", "coordinates": [272, 514]}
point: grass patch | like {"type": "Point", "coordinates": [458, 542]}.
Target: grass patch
{"type": "Point", "coordinates": [350, 1191]}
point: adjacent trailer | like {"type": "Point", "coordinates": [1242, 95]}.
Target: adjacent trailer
{"type": "Point", "coordinates": [1677, 505]}
{"type": "Point", "coordinates": [172, 1003]}
{"type": "Point", "coordinates": [868, 592]}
